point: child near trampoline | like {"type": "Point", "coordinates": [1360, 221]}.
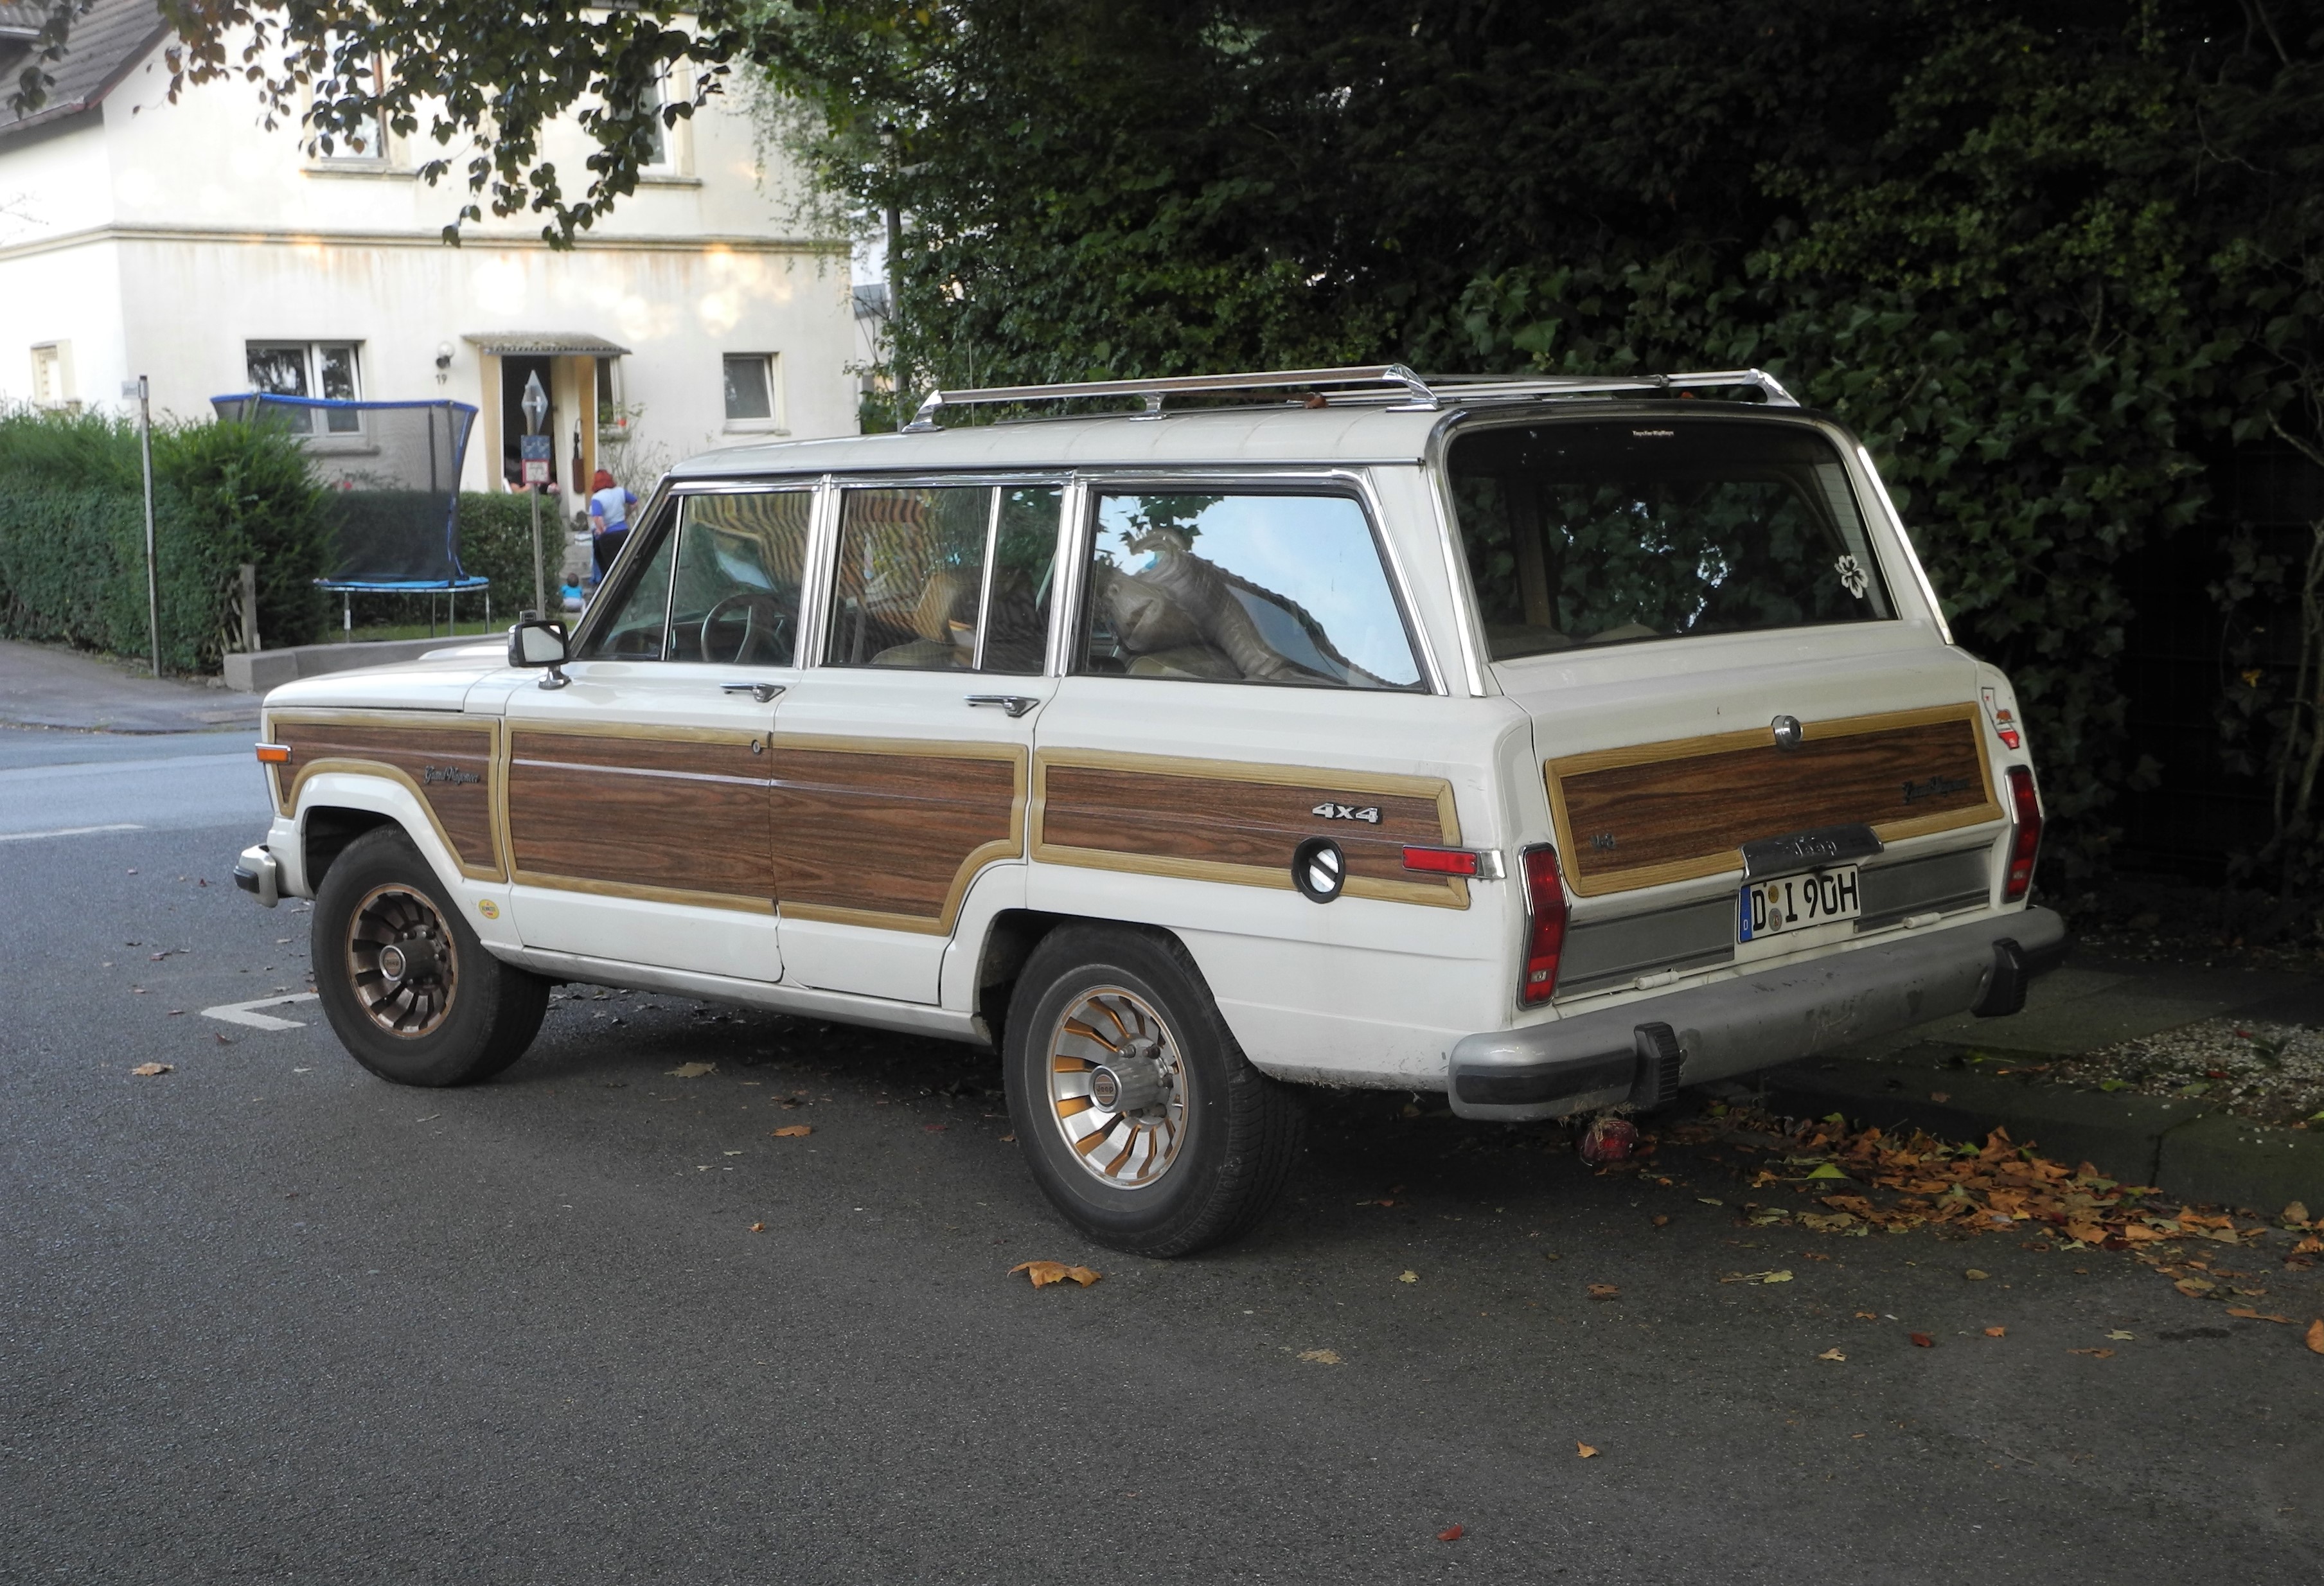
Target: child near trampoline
{"type": "Point", "coordinates": [609, 521]}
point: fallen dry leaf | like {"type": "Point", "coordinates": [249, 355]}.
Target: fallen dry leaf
{"type": "Point", "coordinates": [2120, 1336]}
{"type": "Point", "coordinates": [1780, 1274]}
{"type": "Point", "coordinates": [1661, 1220]}
{"type": "Point", "coordinates": [1319, 1357]}
{"type": "Point", "coordinates": [1605, 1291]}
{"type": "Point", "coordinates": [148, 1070]}
{"type": "Point", "coordinates": [1922, 1341]}
{"type": "Point", "coordinates": [1045, 1273]}
{"type": "Point", "coordinates": [1452, 1533]}
{"type": "Point", "coordinates": [758, 1228]}
{"type": "Point", "coordinates": [2194, 1288]}
{"type": "Point", "coordinates": [1940, 1096]}
{"type": "Point", "coordinates": [2248, 1314]}
{"type": "Point", "coordinates": [1974, 1276]}
{"type": "Point", "coordinates": [2314, 1337]}
{"type": "Point", "coordinates": [1407, 1275]}
{"type": "Point", "coordinates": [2295, 1215]}
{"type": "Point", "coordinates": [1831, 1355]}
{"type": "Point", "coordinates": [794, 1131]}
{"type": "Point", "coordinates": [1866, 1317]}
{"type": "Point", "coordinates": [2094, 1354]}
{"type": "Point", "coordinates": [693, 1070]}
{"type": "Point", "coordinates": [1585, 1451]}
{"type": "Point", "coordinates": [1997, 1332]}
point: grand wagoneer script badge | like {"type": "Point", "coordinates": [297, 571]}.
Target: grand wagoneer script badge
{"type": "Point", "coordinates": [452, 774]}
{"type": "Point", "coordinates": [1936, 788]}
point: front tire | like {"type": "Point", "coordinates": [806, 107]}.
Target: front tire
{"type": "Point", "coordinates": [408, 988]}
{"type": "Point", "coordinates": [1138, 1114]}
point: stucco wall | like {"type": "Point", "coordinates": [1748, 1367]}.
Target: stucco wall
{"type": "Point", "coordinates": [161, 238]}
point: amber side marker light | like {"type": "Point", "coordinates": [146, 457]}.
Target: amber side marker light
{"type": "Point", "coordinates": [1544, 925]}
{"type": "Point", "coordinates": [2025, 845]}
{"type": "Point", "coordinates": [274, 754]}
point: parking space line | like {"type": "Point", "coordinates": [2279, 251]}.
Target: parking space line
{"type": "Point", "coordinates": [69, 832]}
{"type": "Point", "coordinates": [243, 1012]}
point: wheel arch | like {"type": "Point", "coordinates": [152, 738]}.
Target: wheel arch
{"type": "Point", "coordinates": [338, 807]}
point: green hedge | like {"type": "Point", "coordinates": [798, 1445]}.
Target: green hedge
{"type": "Point", "coordinates": [73, 536]}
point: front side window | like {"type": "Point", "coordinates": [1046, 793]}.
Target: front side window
{"type": "Point", "coordinates": [945, 578]}
{"type": "Point", "coordinates": [1243, 586]}
{"type": "Point", "coordinates": [1607, 531]}
{"type": "Point", "coordinates": [722, 586]}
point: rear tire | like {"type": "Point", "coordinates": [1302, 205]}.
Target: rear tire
{"type": "Point", "coordinates": [408, 988]}
{"type": "Point", "coordinates": [1137, 1113]}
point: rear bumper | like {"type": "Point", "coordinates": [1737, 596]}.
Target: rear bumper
{"type": "Point", "coordinates": [1641, 1051]}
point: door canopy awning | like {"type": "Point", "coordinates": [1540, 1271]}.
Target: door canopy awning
{"type": "Point", "coordinates": [540, 344]}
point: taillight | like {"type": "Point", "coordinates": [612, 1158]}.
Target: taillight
{"type": "Point", "coordinates": [2025, 845]}
{"type": "Point", "coordinates": [1544, 925]}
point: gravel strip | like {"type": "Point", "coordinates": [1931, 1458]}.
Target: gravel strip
{"type": "Point", "coordinates": [2270, 1073]}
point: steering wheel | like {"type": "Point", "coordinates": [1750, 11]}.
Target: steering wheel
{"type": "Point", "coordinates": [766, 627]}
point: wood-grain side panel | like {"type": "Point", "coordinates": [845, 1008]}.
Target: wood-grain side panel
{"type": "Point", "coordinates": [652, 814]}
{"type": "Point", "coordinates": [1668, 812]}
{"type": "Point", "coordinates": [449, 768]}
{"type": "Point", "coordinates": [1217, 821]}
{"type": "Point", "coordinates": [890, 832]}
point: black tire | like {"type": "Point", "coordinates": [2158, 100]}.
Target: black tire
{"type": "Point", "coordinates": [1236, 1133]}
{"type": "Point", "coordinates": [458, 1027]}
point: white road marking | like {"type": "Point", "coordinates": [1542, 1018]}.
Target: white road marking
{"type": "Point", "coordinates": [241, 1013]}
{"type": "Point", "coordinates": [68, 832]}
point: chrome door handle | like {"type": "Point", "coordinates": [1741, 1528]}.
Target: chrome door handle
{"type": "Point", "coordinates": [764, 692]}
{"type": "Point", "coordinates": [1016, 704]}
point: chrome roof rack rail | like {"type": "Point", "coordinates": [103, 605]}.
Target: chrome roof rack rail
{"type": "Point", "coordinates": [1154, 390]}
{"type": "Point", "coordinates": [1387, 379]}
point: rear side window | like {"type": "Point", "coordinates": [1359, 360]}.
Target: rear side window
{"type": "Point", "coordinates": [1608, 531]}
{"type": "Point", "coordinates": [945, 578]}
{"type": "Point", "coordinates": [1243, 587]}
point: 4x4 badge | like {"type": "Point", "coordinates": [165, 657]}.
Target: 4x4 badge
{"type": "Point", "coordinates": [1347, 811]}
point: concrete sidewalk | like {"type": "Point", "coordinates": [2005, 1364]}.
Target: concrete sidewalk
{"type": "Point", "coordinates": [50, 686]}
{"type": "Point", "coordinates": [1918, 1079]}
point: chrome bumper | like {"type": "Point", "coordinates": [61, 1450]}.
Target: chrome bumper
{"type": "Point", "coordinates": [258, 873]}
{"type": "Point", "coordinates": [1641, 1052]}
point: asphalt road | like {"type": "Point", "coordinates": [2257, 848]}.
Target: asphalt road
{"type": "Point", "coordinates": [265, 1318]}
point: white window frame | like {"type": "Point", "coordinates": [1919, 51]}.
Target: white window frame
{"type": "Point", "coordinates": [312, 364]}
{"type": "Point", "coordinates": [373, 158]}
{"type": "Point", "coordinates": [52, 376]}
{"type": "Point", "coordinates": [776, 421]}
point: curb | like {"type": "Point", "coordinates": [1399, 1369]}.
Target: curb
{"type": "Point", "coordinates": [263, 670]}
{"type": "Point", "coordinates": [2212, 1157]}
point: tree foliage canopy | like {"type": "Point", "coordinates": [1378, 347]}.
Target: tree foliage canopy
{"type": "Point", "coordinates": [2047, 255]}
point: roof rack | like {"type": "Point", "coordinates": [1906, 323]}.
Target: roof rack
{"type": "Point", "coordinates": [1385, 381]}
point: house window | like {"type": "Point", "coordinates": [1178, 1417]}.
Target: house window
{"type": "Point", "coordinates": [52, 374]}
{"type": "Point", "coordinates": [368, 142]}
{"type": "Point", "coordinates": [750, 389]}
{"type": "Point", "coordinates": [325, 369]}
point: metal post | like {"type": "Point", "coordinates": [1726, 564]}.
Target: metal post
{"type": "Point", "coordinates": [153, 573]}
{"type": "Point", "coordinates": [535, 404]}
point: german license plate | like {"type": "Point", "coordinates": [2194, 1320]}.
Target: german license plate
{"type": "Point", "coordinates": [1792, 903]}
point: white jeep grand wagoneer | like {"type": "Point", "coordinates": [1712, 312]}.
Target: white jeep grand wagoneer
{"type": "Point", "coordinates": [1551, 743]}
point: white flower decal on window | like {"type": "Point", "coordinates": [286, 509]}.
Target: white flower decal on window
{"type": "Point", "coordinates": [1852, 575]}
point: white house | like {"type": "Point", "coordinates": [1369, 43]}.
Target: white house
{"type": "Point", "coordinates": [188, 243]}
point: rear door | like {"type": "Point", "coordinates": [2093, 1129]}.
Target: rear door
{"type": "Point", "coordinates": [901, 761]}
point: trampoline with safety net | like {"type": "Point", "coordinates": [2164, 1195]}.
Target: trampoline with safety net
{"type": "Point", "coordinates": [393, 472]}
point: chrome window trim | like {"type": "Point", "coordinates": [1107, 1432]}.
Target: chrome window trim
{"type": "Point", "coordinates": [1904, 538]}
{"type": "Point", "coordinates": [1356, 482]}
{"type": "Point", "coordinates": [984, 578]}
{"type": "Point", "coordinates": [1066, 589]}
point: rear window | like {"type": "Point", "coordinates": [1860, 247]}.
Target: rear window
{"type": "Point", "coordinates": [1621, 530]}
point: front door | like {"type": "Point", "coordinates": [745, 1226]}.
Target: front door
{"type": "Point", "coordinates": [901, 759]}
{"type": "Point", "coordinates": [637, 794]}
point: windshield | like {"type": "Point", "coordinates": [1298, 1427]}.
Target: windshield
{"type": "Point", "coordinates": [1608, 531]}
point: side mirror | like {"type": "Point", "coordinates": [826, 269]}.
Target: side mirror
{"type": "Point", "coordinates": [536, 641]}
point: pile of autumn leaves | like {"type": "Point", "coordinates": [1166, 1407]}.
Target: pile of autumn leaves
{"type": "Point", "coordinates": [1998, 1187]}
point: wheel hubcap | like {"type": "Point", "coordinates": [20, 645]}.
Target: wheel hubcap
{"type": "Point", "coordinates": [1118, 1088]}
{"type": "Point", "coordinates": [400, 961]}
